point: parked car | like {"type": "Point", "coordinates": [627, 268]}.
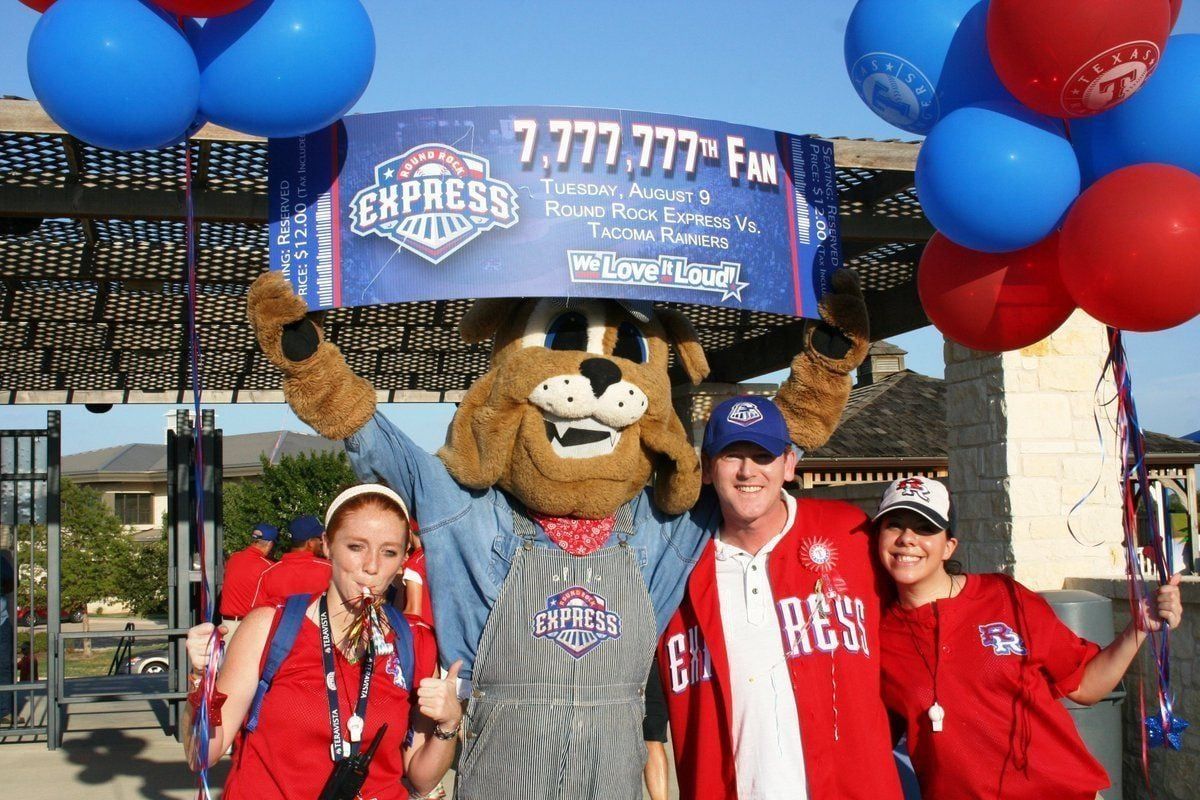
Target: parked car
{"type": "Point", "coordinates": [40, 615]}
{"type": "Point", "coordinates": [151, 662]}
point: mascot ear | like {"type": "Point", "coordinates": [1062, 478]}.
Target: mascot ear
{"type": "Point", "coordinates": [681, 333]}
{"type": "Point", "coordinates": [485, 317]}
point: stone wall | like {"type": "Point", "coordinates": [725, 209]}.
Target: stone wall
{"type": "Point", "coordinates": [1173, 775]}
{"type": "Point", "coordinates": [1024, 449]}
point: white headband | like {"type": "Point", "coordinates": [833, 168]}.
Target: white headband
{"type": "Point", "coordinates": [365, 488]}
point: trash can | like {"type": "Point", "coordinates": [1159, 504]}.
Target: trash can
{"type": "Point", "coordinates": [1089, 615]}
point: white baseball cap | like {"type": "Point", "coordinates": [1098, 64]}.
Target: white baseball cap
{"type": "Point", "coordinates": [927, 497]}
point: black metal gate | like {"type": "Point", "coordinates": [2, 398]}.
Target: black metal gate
{"type": "Point", "coordinates": [184, 575]}
{"type": "Point", "coordinates": [29, 579]}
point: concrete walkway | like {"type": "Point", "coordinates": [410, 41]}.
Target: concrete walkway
{"type": "Point", "coordinates": [111, 751]}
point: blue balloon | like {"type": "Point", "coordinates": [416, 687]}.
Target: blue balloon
{"type": "Point", "coordinates": [914, 61]}
{"type": "Point", "coordinates": [115, 73]}
{"type": "Point", "coordinates": [1161, 123]}
{"type": "Point", "coordinates": [284, 68]}
{"type": "Point", "coordinates": [996, 177]}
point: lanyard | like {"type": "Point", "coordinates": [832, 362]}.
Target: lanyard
{"type": "Point", "coordinates": [340, 748]}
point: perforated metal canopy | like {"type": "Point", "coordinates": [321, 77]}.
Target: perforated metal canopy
{"type": "Point", "coordinates": [93, 300]}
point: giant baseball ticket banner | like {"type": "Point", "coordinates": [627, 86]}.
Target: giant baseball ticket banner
{"type": "Point", "coordinates": [554, 202]}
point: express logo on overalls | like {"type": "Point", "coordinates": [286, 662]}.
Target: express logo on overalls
{"type": "Point", "coordinates": [577, 621]}
{"type": "Point", "coordinates": [1003, 640]}
{"type": "Point", "coordinates": [433, 200]}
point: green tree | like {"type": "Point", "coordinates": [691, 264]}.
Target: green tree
{"type": "Point", "coordinates": [144, 587]}
{"type": "Point", "coordinates": [95, 555]}
{"type": "Point", "coordinates": [303, 484]}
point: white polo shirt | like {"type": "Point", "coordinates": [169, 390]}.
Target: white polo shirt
{"type": "Point", "coordinates": [767, 751]}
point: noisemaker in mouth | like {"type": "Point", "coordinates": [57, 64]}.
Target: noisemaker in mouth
{"type": "Point", "coordinates": [368, 626]}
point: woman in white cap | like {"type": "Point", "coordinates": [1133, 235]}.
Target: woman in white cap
{"type": "Point", "coordinates": [974, 664]}
{"type": "Point", "coordinates": [307, 687]}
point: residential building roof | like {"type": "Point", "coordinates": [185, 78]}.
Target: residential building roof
{"type": "Point", "coordinates": [899, 416]}
{"type": "Point", "coordinates": [146, 461]}
{"type": "Point", "coordinates": [903, 416]}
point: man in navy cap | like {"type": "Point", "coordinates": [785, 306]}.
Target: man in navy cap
{"type": "Point", "coordinates": [770, 667]}
{"type": "Point", "coordinates": [242, 572]}
{"type": "Point", "coordinates": [301, 570]}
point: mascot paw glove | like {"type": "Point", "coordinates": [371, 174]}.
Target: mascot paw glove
{"type": "Point", "coordinates": [813, 396]}
{"type": "Point", "coordinates": [318, 384]}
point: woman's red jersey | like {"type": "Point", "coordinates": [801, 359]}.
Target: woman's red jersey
{"type": "Point", "coordinates": [1002, 659]}
{"type": "Point", "coordinates": [288, 756]}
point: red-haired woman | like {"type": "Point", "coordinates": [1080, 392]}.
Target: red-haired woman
{"type": "Point", "coordinates": [342, 678]}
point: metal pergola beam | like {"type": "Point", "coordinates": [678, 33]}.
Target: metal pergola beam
{"type": "Point", "coordinates": [82, 202]}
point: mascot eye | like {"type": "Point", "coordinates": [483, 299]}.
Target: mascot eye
{"type": "Point", "coordinates": [631, 344]}
{"type": "Point", "coordinates": [568, 331]}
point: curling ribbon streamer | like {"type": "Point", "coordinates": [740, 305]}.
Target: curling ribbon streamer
{"type": "Point", "coordinates": [1135, 486]}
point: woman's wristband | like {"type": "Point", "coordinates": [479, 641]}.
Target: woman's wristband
{"type": "Point", "coordinates": [446, 736]}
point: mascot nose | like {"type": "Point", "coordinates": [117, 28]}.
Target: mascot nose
{"type": "Point", "coordinates": [601, 373]}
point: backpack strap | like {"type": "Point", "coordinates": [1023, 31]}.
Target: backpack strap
{"type": "Point", "coordinates": [281, 645]}
{"type": "Point", "coordinates": [405, 653]}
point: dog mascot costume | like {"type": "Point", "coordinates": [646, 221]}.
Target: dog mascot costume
{"type": "Point", "coordinates": [561, 518]}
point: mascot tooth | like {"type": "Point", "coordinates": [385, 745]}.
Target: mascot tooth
{"type": "Point", "coordinates": [562, 516]}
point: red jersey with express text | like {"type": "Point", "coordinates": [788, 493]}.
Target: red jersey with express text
{"type": "Point", "coordinates": [296, 573]}
{"type": "Point", "coordinates": [288, 756]}
{"type": "Point", "coordinates": [1001, 658]}
{"type": "Point", "coordinates": [827, 586]}
{"type": "Point", "coordinates": [242, 572]}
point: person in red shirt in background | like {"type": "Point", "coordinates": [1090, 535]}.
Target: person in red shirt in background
{"type": "Point", "coordinates": [242, 571]}
{"type": "Point", "coordinates": [416, 583]}
{"type": "Point", "coordinates": [974, 665]}
{"type": "Point", "coordinates": [300, 571]}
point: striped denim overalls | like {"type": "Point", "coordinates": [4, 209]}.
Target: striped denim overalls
{"type": "Point", "coordinates": [557, 706]}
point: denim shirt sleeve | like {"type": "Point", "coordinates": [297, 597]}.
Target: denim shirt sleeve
{"type": "Point", "coordinates": [467, 534]}
{"type": "Point", "coordinates": [673, 546]}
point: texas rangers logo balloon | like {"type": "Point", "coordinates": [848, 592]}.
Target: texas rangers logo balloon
{"type": "Point", "coordinates": [576, 620]}
{"type": "Point", "coordinates": [433, 200]}
{"type": "Point", "coordinates": [1109, 78]}
{"type": "Point", "coordinates": [896, 90]}
{"type": "Point", "coordinates": [1003, 640]}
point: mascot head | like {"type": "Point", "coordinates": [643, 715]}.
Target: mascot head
{"type": "Point", "coordinates": [574, 416]}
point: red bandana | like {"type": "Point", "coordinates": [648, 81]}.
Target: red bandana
{"type": "Point", "coordinates": [577, 536]}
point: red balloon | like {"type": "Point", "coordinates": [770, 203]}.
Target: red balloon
{"type": "Point", "coordinates": [202, 8]}
{"type": "Point", "coordinates": [993, 301]}
{"type": "Point", "coordinates": [1076, 58]}
{"type": "Point", "coordinates": [38, 5]}
{"type": "Point", "coordinates": [1130, 248]}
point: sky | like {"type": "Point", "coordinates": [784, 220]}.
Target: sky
{"type": "Point", "coordinates": [776, 65]}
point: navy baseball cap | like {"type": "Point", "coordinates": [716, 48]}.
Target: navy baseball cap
{"type": "Point", "coordinates": [305, 528]}
{"type": "Point", "coordinates": [747, 419]}
{"type": "Point", "coordinates": [264, 532]}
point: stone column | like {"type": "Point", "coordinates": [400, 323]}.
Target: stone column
{"type": "Point", "coordinates": [1024, 449]}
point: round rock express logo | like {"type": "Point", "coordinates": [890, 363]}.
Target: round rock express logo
{"type": "Point", "coordinates": [432, 200]}
{"type": "Point", "coordinates": [1109, 78]}
{"type": "Point", "coordinates": [897, 91]}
